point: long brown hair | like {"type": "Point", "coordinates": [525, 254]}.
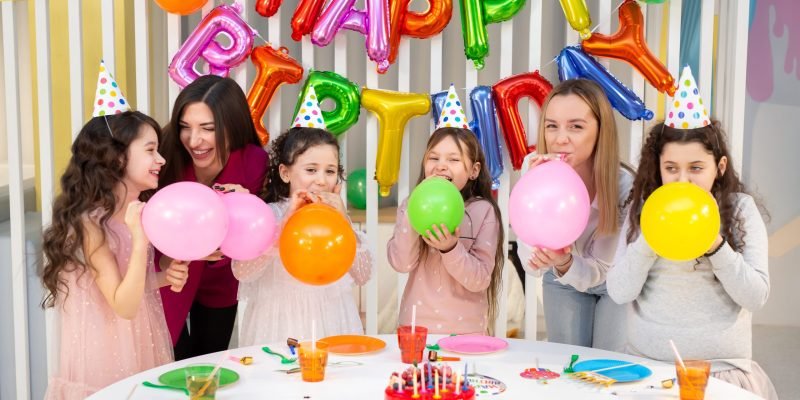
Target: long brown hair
{"type": "Point", "coordinates": [648, 178]}
{"type": "Point", "coordinates": [96, 168]}
{"type": "Point", "coordinates": [285, 149]}
{"type": "Point", "coordinates": [477, 189]}
{"type": "Point", "coordinates": [233, 125]}
{"type": "Point", "coordinates": [606, 162]}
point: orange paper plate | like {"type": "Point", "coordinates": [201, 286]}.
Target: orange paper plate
{"type": "Point", "coordinates": [353, 345]}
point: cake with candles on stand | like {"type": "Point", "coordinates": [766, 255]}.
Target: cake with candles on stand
{"type": "Point", "coordinates": [431, 382]}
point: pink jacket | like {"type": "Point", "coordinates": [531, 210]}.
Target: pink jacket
{"type": "Point", "coordinates": [212, 284]}
{"type": "Point", "coordinates": [449, 289]}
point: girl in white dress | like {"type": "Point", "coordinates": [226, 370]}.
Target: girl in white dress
{"type": "Point", "coordinates": [304, 169]}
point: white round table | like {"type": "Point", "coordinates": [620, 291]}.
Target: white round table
{"type": "Point", "coordinates": [261, 380]}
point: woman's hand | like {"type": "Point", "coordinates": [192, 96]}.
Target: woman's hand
{"type": "Point", "coordinates": [440, 238]}
{"type": "Point", "coordinates": [176, 275]}
{"type": "Point", "coordinates": [213, 257]}
{"type": "Point", "coordinates": [538, 159]}
{"type": "Point", "coordinates": [546, 258]}
{"type": "Point", "coordinates": [229, 187]}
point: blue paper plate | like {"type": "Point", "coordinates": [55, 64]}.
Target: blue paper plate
{"type": "Point", "coordinates": [624, 374]}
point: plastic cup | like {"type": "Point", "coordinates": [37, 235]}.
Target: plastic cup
{"type": "Point", "coordinates": [693, 380]}
{"type": "Point", "coordinates": [312, 361]}
{"type": "Point", "coordinates": [411, 346]}
{"type": "Point", "coordinates": [200, 383]}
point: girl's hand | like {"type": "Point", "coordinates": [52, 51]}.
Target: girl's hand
{"type": "Point", "coordinates": [545, 258]}
{"type": "Point", "coordinates": [229, 187]}
{"type": "Point", "coordinates": [296, 200]}
{"type": "Point", "coordinates": [440, 238]}
{"type": "Point", "coordinates": [133, 219]}
{"type": "Point", "coordinates": [333, 199]}
{"type": "Point", "coordinates": [177, 274]}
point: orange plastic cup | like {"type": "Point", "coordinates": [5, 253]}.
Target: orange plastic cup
{"type": "Point", "coordinates": [693, 379]}
{"type": "Point", "coordinates": [411, 346]}
{"type": "Point", "coordinates": [312, 361]}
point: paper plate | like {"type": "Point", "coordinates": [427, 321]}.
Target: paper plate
{"type": "Point", "coordinates": [631, 373]}
{"type": "Point", "coordinates": [353, 345]}
{"type": "Point", "coordinates": [486, 386]}
{"type": "Point", "coordinates": [177, 377]}
{"type": "Point", "coordinates": [472, 344]}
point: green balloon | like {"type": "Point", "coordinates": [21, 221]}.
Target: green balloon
{"type": "Point", "coordinates": [357, 188]}
{"type": "Point", "coordinates": [435, 201]}
{"type": "Point", "coordinates": [330, 85]}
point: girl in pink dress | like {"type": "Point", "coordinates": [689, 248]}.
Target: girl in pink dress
{"type": "Point", "coordinates": [98, 269]}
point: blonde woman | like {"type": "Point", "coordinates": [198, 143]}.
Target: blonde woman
{"type": "Point", "coordinates": [578, 126]}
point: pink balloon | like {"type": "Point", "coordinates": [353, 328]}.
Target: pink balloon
{"type": "Point", "coordinates": [202, 43]}
{"type": "Point", "coordinates": [374, 23]}
{"type": "Point", "coordinates": [251, 226]}
{"type": "Point", "coordinates": [549, 206]}
{"type": "Point", "coordinates": [186, 221]}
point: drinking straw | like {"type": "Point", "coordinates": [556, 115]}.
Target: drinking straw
{"type": "Point", "coordinates": [677, 355]}
{"type": "Point", "coordinates": [413, 319]}
{"type": "Point", "coordinates": [313, 336]}
{"type": "Point", "coordinates": [203, 389]}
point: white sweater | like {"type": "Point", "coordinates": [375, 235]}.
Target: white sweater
{"type": "Point", "coordinates": [705, 306]}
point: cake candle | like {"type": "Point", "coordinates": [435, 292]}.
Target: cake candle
{"type": "Point", "coordinates": [414, 380]}
{"type": "Point", "coordinates": [436, 394]}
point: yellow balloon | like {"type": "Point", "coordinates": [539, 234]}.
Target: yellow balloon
{"type": "Point", "coordinates": [680, 221]}
{"type": "Point", "coordinates": [393, 110]}
{"type": "Point", "coordinates": [577, 14]}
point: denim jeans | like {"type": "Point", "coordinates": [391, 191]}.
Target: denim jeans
{"type": "Point", "coordinates": [589, 319]}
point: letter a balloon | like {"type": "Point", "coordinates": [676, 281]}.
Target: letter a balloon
{"type": "Point", "coordinates": [317, 245]}
{"type": "Point", "coordinates": [680, 221]}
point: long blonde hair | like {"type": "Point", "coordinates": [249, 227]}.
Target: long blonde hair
{"type": "Point", "coordinates": [605, 154]}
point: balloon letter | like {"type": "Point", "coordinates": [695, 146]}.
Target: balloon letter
{"type": "Point", "coordinates": [374, 23]}
{"type": "Point", "coordinates": [475, 15]}
{"type": "Point", "coordinates": [202, 44]}
{"type": "Point", "coordinates": [267, 8]}
{"type": "Point", "coordinates": [629, 45]}
{"type": "Point", "coordinates": [305, 15]}
{"type": "Point", "coordinates": [483, 124]}
{"type": "Point", "coordinates": [414, 24]}
{"type": "Point", "coordinates": [507, 94]}
{"type": "Point", "coordinates": [573, 63]}
{"type": "Point", "coordinates": [577, 15]}
{"type": "Point", "coordinates": [393, 110]}
{"type": "Point", "coordinates": [273, 68]}
{"type": "Point", "coordinates": [330, 85]}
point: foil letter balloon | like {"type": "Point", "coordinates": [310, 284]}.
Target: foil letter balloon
{"type": "Point", "coordinates": [273, 68]}
{"type": "Point", "coordinates": [393, 110]}
{"type": "Point", "coordinates": [573, 63]}
{"type": "Point", "coordinates": [629, 45]}
{"type": "Point", "coordinates": [577, 14]}
{"type": "Point", "coordinates": [374, 23]}
{"type": "Point", "coordinates": [507, 94]}
{"type": "Point", "coordinates": [483, 124]}
{"type": "Point", "coordinates": [404, 22]}
{"type": "Point", "coordinates": [267, 8]}
{"type": "Point", "coordinates": [304, 18]}
{"type": "Point", "coordinates": [475, 15]}
{"type": "Point", "coordinates": [202, 43]}
{"type": "Point", "coordinates": [343, 93]}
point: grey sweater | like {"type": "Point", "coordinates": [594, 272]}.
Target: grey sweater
{"type": "Point", "coordinates": [705, 306]}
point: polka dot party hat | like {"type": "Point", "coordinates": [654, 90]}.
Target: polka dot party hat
{"type": "Point", "coordinates": [452, 115]}
{"type": "Point", "coordinates": [109, 99]}
{"type": "Point", "coordinates": [686, 109]}
{"type": "Point", "coordinates": [309, 114]}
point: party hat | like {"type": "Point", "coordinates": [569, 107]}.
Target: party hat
{"type": "Point", "coordinates": [109, 99]}
{"type": "Point", "coordinates": [686, 109]}
{"type": "Point", "coordinates": [452, 115]}
{"type": "Point", "coordinates": [309, 114]}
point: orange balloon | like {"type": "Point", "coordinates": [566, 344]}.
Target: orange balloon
{"type": "Point", "coordinates": [273, 68]}
{"type": "Point", "coordinates": [181, 7]}
{"type": "Point", "coordinates": [628, 44]}
{"type": "Point", "coordinates": [404, 22]}
{"type": "Point", "coordinates": [317, 245]}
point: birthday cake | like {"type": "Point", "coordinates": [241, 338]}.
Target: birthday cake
{"type": "Point", "coordinates": [432, 382]}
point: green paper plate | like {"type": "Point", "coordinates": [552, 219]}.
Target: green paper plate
{"type": "Point", "coordinates": [177, 377]}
